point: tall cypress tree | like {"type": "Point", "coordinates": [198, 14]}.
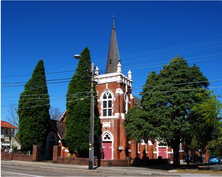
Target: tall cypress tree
{"type": "Point", "coordinates": [33, 110]}
{"type": "Point", "coordinates": [78, 108]}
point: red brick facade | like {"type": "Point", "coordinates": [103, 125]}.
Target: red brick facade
{"type": "Point", "coordinates": [113, 125]}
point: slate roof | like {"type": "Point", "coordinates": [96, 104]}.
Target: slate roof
{"type": "Point", "coordinates": [59, 127]}
{"type": "Point", "coordinates": [136, 101]}
{"type": "Point", "coordinates": [113, 55]}
{"type": "Point", "coordinates": [7, 125]}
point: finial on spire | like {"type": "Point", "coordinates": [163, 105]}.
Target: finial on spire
{"type": "Point", "coordinates": [113, 22]}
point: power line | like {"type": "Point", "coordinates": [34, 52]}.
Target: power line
{"type": "Point", "coordinates": [44, 99]}
{"type": "Point", "coordinates": [151, 53]}
{"type": "Point", "coordinates": [52, 81]}
{"type": "Point", "coordinates": [142, 93]}
{"type": "Point", "coordinates": [45, 73]}
{"type": "Point", "coordinates": [185, 83]}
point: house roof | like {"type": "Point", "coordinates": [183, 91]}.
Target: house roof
{"type": "Point", "coordinates": [113, 55]}
{"type": "Point", "coordinates": [136, 101]}
{"type": "Point", "coordinates": [62, 118]}
{"type": "Point", "coordinates": [7, 125]}
{"type": "Point", "coordinates": [60, 128]}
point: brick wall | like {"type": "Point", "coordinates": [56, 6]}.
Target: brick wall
{"type": "Point", "coordinates": [120, 162]}
{"type": "Point", "coordinates": [21, 157]}
{"type": "Point", "coordinates": [85, 161]}
{"type": "Point", "coordinates": [11, 156]}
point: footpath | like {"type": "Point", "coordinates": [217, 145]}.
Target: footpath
{"type": "Point", "coordinates": [164, 170]}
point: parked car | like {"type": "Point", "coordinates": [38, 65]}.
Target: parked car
{"type": "Point", "coordinates": [214, 160]}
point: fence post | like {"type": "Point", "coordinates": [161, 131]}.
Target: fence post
{"type": "Point", "coordinates": [35, 153]}
{"type": "Point", "coordinates": [55, 154]}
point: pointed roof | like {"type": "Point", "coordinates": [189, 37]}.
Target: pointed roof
{"type": "Point", "coordinates": [113, 55]}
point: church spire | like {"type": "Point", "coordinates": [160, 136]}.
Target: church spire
{"type": "Point", "coordinates": [113, 55]}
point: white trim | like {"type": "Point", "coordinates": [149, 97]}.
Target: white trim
{"type": "Point", "coordinates": [66, 150]}
{"type": "Point", "coordinates": [113, 77]}
{"type": "Point", "coordinates": [116, 116]}
{"type": "Point", "coordinates": [138, 148]}
{"type": "Point", "coordinates": [150, 143]}
{"type": "Point", "coordinates": [106, 91]}
{"type": "Point", "coordinates": [123, 115]}
{"type": "Point", "coordinates": [119, 90]}
{"type": "Point", "coordinates": [106, 124]}
{"type": "Point", "coordinates": [131, 96]}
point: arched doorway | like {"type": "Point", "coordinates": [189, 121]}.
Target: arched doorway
{"type": "Point", "coordinates": [107, 145]}
{"type": "Point", "coordinates": [51, 141]}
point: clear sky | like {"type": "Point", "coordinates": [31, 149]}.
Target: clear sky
{"type": "Point", "coordinates": [149, 34]}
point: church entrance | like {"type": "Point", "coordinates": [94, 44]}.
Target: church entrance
{"type": "Point", "coordinates": [163, 152]}
{"type": "Point", "coordinates": [107, 145]}
{"type": "Point", "coordinates": [107, 150]}
{"type": "Point", "coordinates": [51, 141]}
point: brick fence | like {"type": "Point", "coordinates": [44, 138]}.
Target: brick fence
{"type": "Point", "coordinates": [21, 157]}
{"type": "Point", "coordinates": [85, 161]}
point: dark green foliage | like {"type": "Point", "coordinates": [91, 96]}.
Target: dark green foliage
{"type": "Point", "coordinates": [33, 110]}
{"type": "Point", "coordinates": [78, 108]}
{"type": "Point", "coordinates": [167, 100]}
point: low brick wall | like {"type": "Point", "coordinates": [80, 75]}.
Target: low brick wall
{"type": "Point", "coordinates": [106, 163]}
{"type": "Point", "coordinates": [72, 160]}
{"type": "Point", "coordinates": [11, 156]}
{"type": "Point", "coordinates": [85, 161]}
{"type": "Point", "coordinates": [21, 157]}
{"type": "Point", "coordinates": [5, 156]}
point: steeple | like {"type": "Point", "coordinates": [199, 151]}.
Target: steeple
{"type": "Point", "coordinates": [113, 55]}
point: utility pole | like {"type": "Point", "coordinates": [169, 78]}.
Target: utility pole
{"type": "Point", "coordinates": [91, 135]}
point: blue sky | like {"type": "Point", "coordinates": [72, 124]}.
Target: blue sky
{"type": "Point", "coordinates": [149, 34]}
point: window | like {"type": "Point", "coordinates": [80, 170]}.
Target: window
{"type": "Point", "coordinates": [163, 144]}
{"type": "Point", "coordinates": [107, 104]}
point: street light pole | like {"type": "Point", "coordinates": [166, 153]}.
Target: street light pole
{"type": "Point", "coordinates": [91, 135]}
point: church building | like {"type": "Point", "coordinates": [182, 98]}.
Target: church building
{"type": "Point", "coordinates": [115, 98]}
{"type": "Point", "coordinates": [114, 93]}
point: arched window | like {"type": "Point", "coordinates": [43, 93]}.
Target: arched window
{"type": "Point", "coordinates": [107, 104]}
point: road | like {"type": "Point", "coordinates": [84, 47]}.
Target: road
{"type": "Point", "coordinates": [8, 168]}
{"type": "Point", "coordinates": [40, 169]}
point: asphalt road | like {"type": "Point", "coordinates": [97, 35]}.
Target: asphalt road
{"type": "Point", "coordinates": [8, 168]}
{"type": "Point", "coordinates": [40, 169]}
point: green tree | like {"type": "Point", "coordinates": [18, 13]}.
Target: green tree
{"type": "Point", "coordinates": [209, 109]}
{"type": "Point", "coordinates": [78, 108]}
{"type": "Point", "coordinates": [204, 117]}
{"type": "Point", "coordinates": [167, 100]}
{"type": "Point", "coordinates": [33, 110]}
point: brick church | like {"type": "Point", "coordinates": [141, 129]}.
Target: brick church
{"type": "Point", "coordinates": [115, 98]}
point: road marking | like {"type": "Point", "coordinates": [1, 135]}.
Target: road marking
{"type": "Point", "coordinates": [22, 174]}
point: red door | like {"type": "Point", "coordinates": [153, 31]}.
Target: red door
{"type": "Point", "coordinates": [107, 150]}
{"type": "Point", "coordinates": [162, 152]}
